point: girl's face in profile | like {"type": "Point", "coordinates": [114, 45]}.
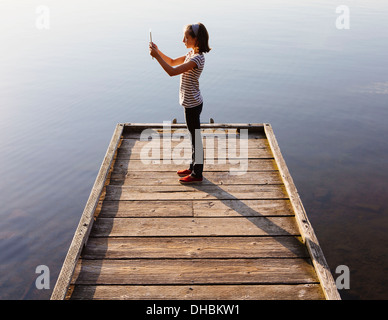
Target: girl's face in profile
{"type": "Point", "coordinates": [188, 40]}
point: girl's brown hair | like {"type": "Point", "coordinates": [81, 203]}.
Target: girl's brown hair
{"type": "Point", "coordinates": [202, 38]}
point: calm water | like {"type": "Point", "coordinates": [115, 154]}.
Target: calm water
{"type": "Point", "coordinates": [62, 91]}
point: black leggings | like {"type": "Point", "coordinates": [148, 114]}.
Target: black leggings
{"type": "Point", "coordinates": [194, 125]}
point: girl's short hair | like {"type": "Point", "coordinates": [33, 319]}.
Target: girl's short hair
{"type": "Point", "coordinates": [202, 37]}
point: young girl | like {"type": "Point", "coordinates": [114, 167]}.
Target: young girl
{"type": "Point", "coordinates": [190, 68]}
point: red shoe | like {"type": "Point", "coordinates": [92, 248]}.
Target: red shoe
{"type": "Point", "coordinates": [184, 173]}
{"type": "Point", "coordinates": [190, 179]}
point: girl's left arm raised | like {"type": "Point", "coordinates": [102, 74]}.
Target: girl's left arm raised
{"type": "Point", "coordinates": [171, 71]}
{"type": "Point", "coordinates": [174, 71]}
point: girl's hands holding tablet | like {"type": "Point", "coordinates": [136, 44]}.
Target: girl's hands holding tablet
{"type": "Point", "coordinates": [154, 51]}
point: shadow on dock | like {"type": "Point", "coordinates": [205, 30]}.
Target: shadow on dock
{"type": "Point", "coordinates": [268, 226]}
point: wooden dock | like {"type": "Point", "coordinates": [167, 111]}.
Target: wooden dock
{"type": "Point", "coordinates": [241, 234]}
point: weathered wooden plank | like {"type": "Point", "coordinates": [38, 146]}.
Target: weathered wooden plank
{"type": "Point", "coordinates": [126, 153]}
{"type": "Point", "coordinates": [200, 208]}
{"type": "Point", "coordinates": [199, 292]}
{"type": "Point", "coordinates": [242, 208]}
{"type": "Point", "coordinates": [252, 127]}
{"type": "Point", "coordinates": [195, 271]}
{"type": "Point", "coordinates": [134, 178]}
{"type": "Point", "coordinates": [207, 140]}
{"type": "Point", "coordinates": [184, 134]}
{"type": "Point", "coordinates": [236, 226]}
{"type": "Point", "coordinates": [232, 143]}
{"type": "Point", "coordinates": [152, 208]}
{"type": "Point", "coordinates": [242, 165]}
{"type": "Point", "coordinates": [306, 229]}
{"type": "Point", "coordinates": [194, 247]}
{"type": "Point", "coordinates": [132, 126]}
{"type": "Point", "coordinates": [192, 192]}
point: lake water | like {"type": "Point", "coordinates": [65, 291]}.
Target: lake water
{"type": "Point", "coordinates": [63, 89]}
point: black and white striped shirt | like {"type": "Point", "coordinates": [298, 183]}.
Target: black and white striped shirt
{"type": "Point", "coordinates": [189, 93]}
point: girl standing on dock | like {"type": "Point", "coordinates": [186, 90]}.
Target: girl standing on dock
{"type": "Point", "coordinates": [190, 68]}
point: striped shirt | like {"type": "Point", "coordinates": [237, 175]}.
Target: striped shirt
{"type": "Point", "coordinates": [189, 93]}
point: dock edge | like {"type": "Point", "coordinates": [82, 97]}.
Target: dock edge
{"type": "Point", "coordinates": [307, 232]}
{"type": "Point", "coordinates": [86, 220]}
